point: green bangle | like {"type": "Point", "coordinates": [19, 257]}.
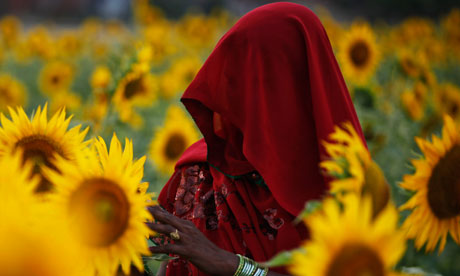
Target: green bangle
{"type": "Point", "coordinates": [240, 265]}
{"type": "Point", "coordinates": [254, 267]}
{"type": "Point", "coordinates": [249, 267]}
{"type": "Point", "coordinates": [246, 267]}
{"type": "Point", "coordinates": [265, 272]}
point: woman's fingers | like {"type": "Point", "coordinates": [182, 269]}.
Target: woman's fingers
{"type": "Point", "coordinates": [169, 248]}
{"type": "Point", "coordinates": [166, 218]}
{"type": "Point", "coordinates": [161, 228]}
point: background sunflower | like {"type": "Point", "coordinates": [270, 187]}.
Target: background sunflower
{"type": "Point", "coordinates": [171, 140]}
{"type": "Point", "coordinates": [359, 53]}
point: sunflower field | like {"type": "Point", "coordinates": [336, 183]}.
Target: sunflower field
{"type": "Point", "coordinates": [91, 127]}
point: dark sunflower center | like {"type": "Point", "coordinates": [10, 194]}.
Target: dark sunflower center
{"type": "Point", "coordinates": [55, 79]}
{"type": "Point", "coordinates": [175, 146]}
{"type": "Point", "coordinates": [444, 186]}
{"type": "Point", "coordinates": [409, 63]}
{"type": "Point", "coordinates": [100, 209]}
{"type": "Point", "coordinates": [5, 94]}
{"type": "Point", "coordinates": [359, 53]}
{"type": "Point", "coordinates": [451, 107]}
{"type": "Point", "coordinates": [133, 88]}
{"type": "Point", "coordinates": [356, 260]}
{"type": "Point", "coordinates": [40, 150]}
{"type": "Point", "coordinates": [409, 66]}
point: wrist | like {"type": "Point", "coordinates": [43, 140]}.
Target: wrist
{"type": "Point", "coordinates": [229, 263]}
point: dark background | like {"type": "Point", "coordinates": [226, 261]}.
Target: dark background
{"type": "Point", "coordinates": [391, 11]}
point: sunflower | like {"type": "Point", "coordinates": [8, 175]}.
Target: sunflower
{"type": "Point", "coordinates": [10, 29]}
{"type": "Point", "coordinates": [179, 76]}
{"type": "Point", "coordinates": [414, 101]}
{"type": "Point", "coordinates": [17, 186]}
{"type": "Point", "coordinates": [197, 30]}
{"type": "Point", "coordinates": [412, 107]}
{"type": "Point", "coordinates": [358, 53]}
{"type": "Point", "coordinates": [428, 77]}
{"type": "Point", "coordinates": [90, 28]}
{"type": "Point", "coordinates": [171, 140]}
{"type": "Point", "coordinates": [40, 140]}
{"type": "Point", "coordinates": [412, 63]}
{"type": "Point", "coordinates": [352, 169]}
{"type": "Point", "coordinates": [34, 251]}
{"type": "Point", "coordinates": [40, 43]}
{"type": "Point", "coordinates": [447, 100]}
{"type": "Point", "coordinates": [65, 99]}
{"type": "Point", "coordinates": [158, 36]}
{"type": "Point", "coordinates": [434, 49]}
{"type": "Point", "coordinates": [97, 110]}
{"type": "Point", "coordinates": [102, 206]}
{"type": "Point", "coordinates": [146, 14]}
{"type": "Point", "coordinates": [145, 55]}
{"type": "Point", "coordinates": [350, 242]}
{"type": "Point", "coordinates": [135, 89]}
{"type": "Point", "coordinates": [68, 44]}
{"type": "Point", "coordinates": [12, 92]}
{"type": "Point", "coordinates": [169, 86]}
{"type": "Point", "coordinates": [115, 29]}
{"type": "Point", "coordinates": [435, 205]}
{"type": "Point", "coordinates": [55, 77]}
{"type": "Point", "coordinates": [28, 247]}
{"type": "Point", "coordinates": [413, 30]}
{"type": "Point", "coordinates": [99, 49]}
{"type": "Point", "coordinates": [451, 31]}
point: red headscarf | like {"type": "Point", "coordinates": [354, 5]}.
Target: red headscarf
{"type": "Point", "coordinates": [274, 79]}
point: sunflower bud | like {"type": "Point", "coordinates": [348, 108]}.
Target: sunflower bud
{"type": "Point", "coordinates": [377, 187]}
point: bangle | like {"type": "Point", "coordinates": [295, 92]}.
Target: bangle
{"type": "Point", "coordinates": [240, 265]}
{"type": "Point", "coordinates": [248, 267]}
{"type": "Point", "coordinates": [254, 267]}
{"type": "Point", "coordinates": [261, 271]}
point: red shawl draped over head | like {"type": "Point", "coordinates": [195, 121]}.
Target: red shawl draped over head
{"type": "Point", "coordinates": [274, 80]}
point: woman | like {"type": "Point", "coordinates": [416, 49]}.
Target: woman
{"type": "Point", "coordinates": [266, 97]}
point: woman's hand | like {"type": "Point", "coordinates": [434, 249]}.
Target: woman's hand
{"type": "Point", "coordinates": [192, 244]}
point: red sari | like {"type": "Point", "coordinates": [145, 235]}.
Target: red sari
{"type": "Point", "coordinates": [275, 81]}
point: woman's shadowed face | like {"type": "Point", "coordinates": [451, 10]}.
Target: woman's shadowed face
{"type": "Point", "coordinates": [219, 127]}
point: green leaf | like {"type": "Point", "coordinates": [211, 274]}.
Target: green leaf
{"type": "Point", "coordinates": [281, 259]}
{"type": "Point", "coordinates": [159, 257]}
{"type": "Point", "coordinates": [310, 207]}
{"type": "Point", "coordinates": [417, 271]}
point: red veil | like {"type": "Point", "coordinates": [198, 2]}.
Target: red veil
{"type": "Point", "coordinates": [274, 79]}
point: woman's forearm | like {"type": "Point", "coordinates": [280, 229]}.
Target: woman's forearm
{"type": "Point", "coordinates": [192, 245]}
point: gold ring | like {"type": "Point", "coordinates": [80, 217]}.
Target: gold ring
{"type": "Point", "coordinates": [175, 235]}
